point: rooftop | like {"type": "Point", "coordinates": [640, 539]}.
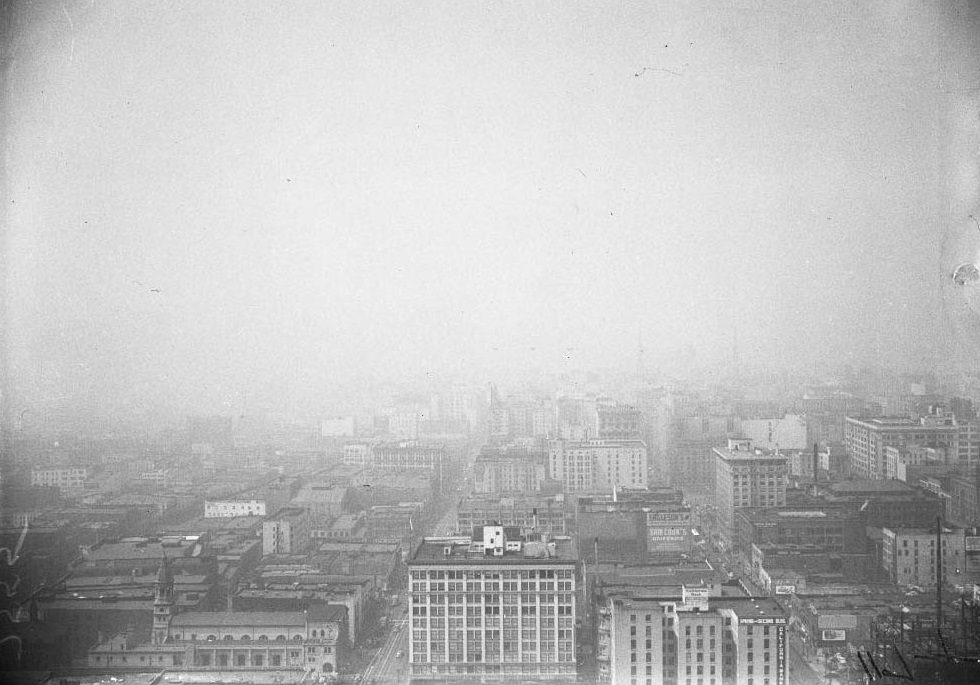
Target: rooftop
{"type": "Point", "coordinates": [870, 485]}
{"type": "Point", "coordinates": [246, 619]}
{"type": "Point", "coordinates": [465, 550]}
{"type": "Point", "coordinates": [279, 676]}
{"type": "Point", "coordinates": [750, 455]}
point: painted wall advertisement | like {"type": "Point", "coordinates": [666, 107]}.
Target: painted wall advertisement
{"type": "Point", "coordinates": [833, 635]}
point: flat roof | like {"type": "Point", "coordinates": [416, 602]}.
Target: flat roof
{"type": "Point", "coordinates": [434, 550]}
{"type": "Point", "coordinates": [871, 485]}
{"type": "Point", "coordinates": [282, 676]}
{"type": "Point", "coordinates": [240, 618]}
{"type": "Point", "coordinates": [748, 455]}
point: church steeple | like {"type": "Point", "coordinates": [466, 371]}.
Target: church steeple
{"type": "Point", "coordinates": [163, 603]}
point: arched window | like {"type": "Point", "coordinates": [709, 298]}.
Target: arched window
{"type": "Point", "coordinates": [280, 638]}
{"type": "Point", "coordinates": [229, 638]}
{"type": "Point", "coordinates": [212, 638]}
{"type": "Point", "coordinates": [297, 637]}
{"type": "Point", "coordinates": [246, 637]}
{"type": "Point", "coordinates": [263, 638]}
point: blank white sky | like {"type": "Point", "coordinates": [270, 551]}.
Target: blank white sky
{"type": "Point", "coordinates": [206, 197]}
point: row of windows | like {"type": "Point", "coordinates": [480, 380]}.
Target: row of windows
{"type": "Point", "coordinates": [471, 574]}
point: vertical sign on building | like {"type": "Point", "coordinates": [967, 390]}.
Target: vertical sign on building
{"type": "Point", "coordinates": [780, 655]}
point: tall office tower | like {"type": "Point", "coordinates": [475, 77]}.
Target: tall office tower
{"type": "Point", "coordinates": [499, 417]}
{"type": "Point", "coordinates": [747, 478]}
{"type": "Point", "coordinates": [493, 607]}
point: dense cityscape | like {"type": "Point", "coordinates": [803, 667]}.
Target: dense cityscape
{"type": "Point", "coordinates": [768, 528]}
{"type": "Point", "coordinates": [428, 342]}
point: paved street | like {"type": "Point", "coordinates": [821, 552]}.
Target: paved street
{"type": "Point", "coordinates": [390, 664]}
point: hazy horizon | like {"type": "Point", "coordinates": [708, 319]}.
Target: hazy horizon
{"type": "Point", "coordinates": [207, 201]}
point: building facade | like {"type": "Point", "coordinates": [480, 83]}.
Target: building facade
{"type": "Point", "coordinates": [618, 422]}
{"type": "Point", "coordinates": [865, 439]}
{"type": "Point", "coordinates": [227, 640]}
{"type": "Point", "coordinates": [65, 479]}
{"type": "Point", "coordinates": [287, 532]}
{"type": "Point", "coordinates": [233, 508]}
{"type": "Point", "coordinates": [533, 514]}
{"type": "Point", "coordinates": [691, 639]}
{"type": "Point", "coordinates": [909, 556]}
{"type": "Point", "coordinates": [408, 455]}
{"type": "Point", "coordinates": [747, 478]}
{"type": "Point", "coordinates": [508, 471]}
{"type": "Point", "coordinates": [598, 465]}
{"type": "Point", "coordinates": [493, 607]}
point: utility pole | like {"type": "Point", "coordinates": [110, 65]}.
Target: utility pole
{"type": "Point", "coordinates": [939, 573]}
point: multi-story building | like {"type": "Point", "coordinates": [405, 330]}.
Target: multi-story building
{"type": "Point", "coordinates": [411, 454]}
{"type": "Point", "coordinates": [866, 439]}
{"type": "Point", "coordinates": [883, 503]}
{"type": "Point", "coordinates": [233, 508]}
{"type": "Point", "coordinates": [964, 504]}
{"type": "Point", "coordinates": [747, 478]}
{"type": "Point", "coordinates": [618, 422]}
{"type": "Point", "coordinates": [909, 556]}
{"type": "Point", "coordinates": [405, 424]}
{"type": "Point", "coordinates": [508, 471]}
{"type": "Point", "coordinates": [493, 607]}
{"type": "Point", "coordinates": [534, 514]}
{"type": "Point", "coordinates": [690, 460]}
{"type": "Point", "coordinates": [787, 432]}
{"type": "Point", "coordinates": [498, 418]}
{"type": "Point", "coordinates": [358, 454]}
{"type": "Point", "coordinates": [833, 529]}
{"type": "Point", "coordinates": [633, 526]}
{"type": "Point", "coordinates": [897, 459]}
{"type": "Point", "coordinates": [692, 638]}
{"type": "Point", "coordinates": [598, 465]}
{"type": "Point", "coordinates": [286, 532]}
{"type": "Point", "coordinates": [64, 479]}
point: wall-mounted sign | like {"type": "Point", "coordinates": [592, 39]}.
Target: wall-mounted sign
{"type": "Point", "coordinates": [833, 636]}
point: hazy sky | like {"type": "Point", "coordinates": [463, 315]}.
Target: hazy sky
{"type": "Point", "coordinates": [209, 197]}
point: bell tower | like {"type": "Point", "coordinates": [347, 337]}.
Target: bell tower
{"type": "Point", "coordinates": [163, 603]}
